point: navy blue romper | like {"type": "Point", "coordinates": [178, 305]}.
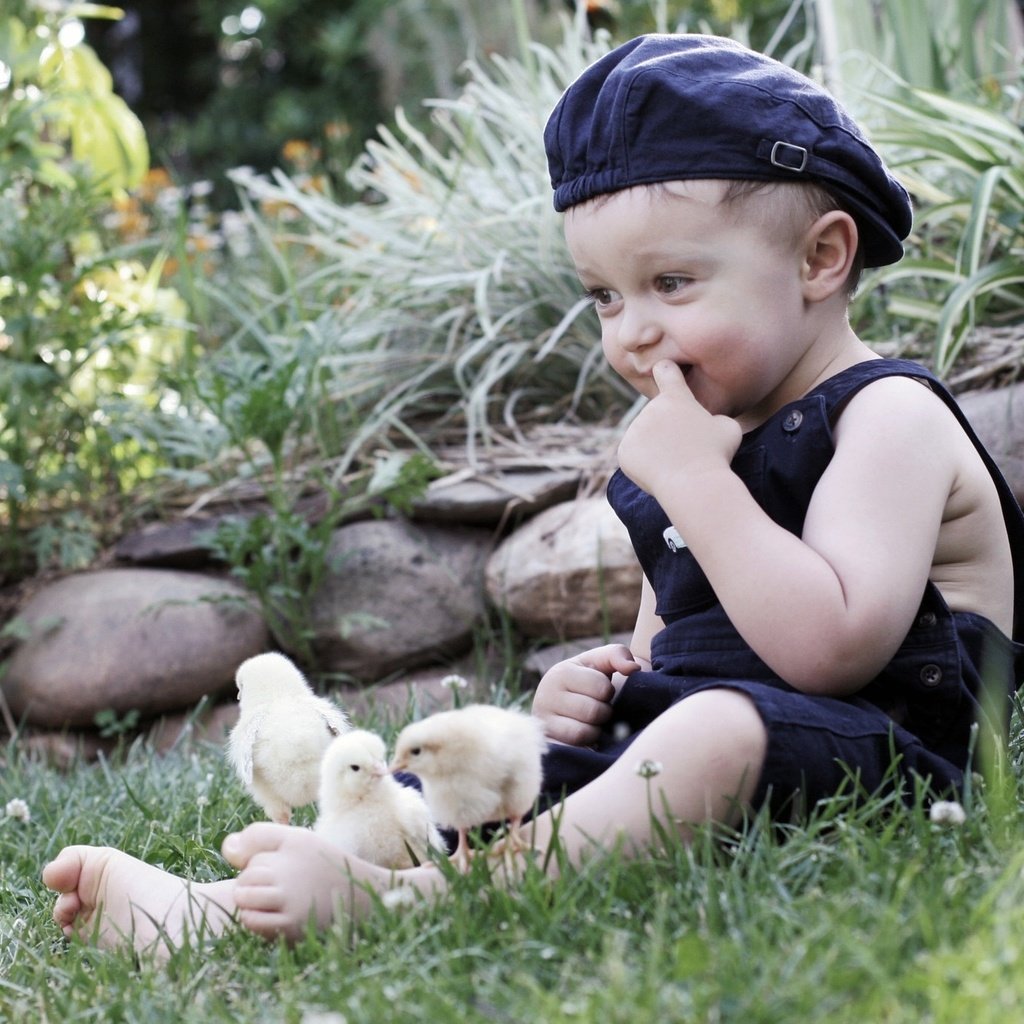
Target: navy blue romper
{"type": "Point", "coordinates": [921, 707]}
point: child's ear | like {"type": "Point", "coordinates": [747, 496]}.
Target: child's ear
{"type": "Point", "coordinates": [830, 248]}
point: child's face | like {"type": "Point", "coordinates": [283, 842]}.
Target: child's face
{"type": "Point", "coordinates": [674, 275]}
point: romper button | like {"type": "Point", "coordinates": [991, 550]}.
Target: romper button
{"type": "Point", "coordinates": [792, 421]}
{"type": "Point", "coordinates": [926, 620]}
{"type": "Point", "coordinates": [931, 675]}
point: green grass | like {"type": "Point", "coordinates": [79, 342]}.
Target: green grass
{"type": "Point", "coordinates": [870, 914]}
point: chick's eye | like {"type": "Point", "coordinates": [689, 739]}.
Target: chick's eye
{"type": "Point", "coordinates": [416, 751]}
{"type": "Point", "coordinates": [354, 767]}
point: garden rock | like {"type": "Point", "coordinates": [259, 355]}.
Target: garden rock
{"type": "Point", "coordinates": [569, 572]}
{"type": "Point", "coordinates": [183, 544]}
{"type": "Point", "coordinates": [128, 640]}
{"type": "Point", "coordinates": [537, 663]}
{"type": "Point", "coordinates": [490, 499]}
{"type": "Point", "coordinates": [399, 594]}
{"type": "Point", "coordinates": [414, 695]}
{"type": "Point", "coordinates": [997, 416]}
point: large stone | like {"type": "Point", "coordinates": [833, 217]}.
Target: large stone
{"type": "Point", "coordinates": [998, 418]}
{"type": "Point", "coordinates": [418, 693]}
{"type": "Point", "coordinates": [537, 663]}
{"type": "Point", "coordinates": [569, 572]}
{"type": "Point", "coordinates": [492, 499]}
{"type": "Point", "coordinates": [184, 544]}
{"type": "Point", "coordinates": [144, 640]}
{"type": "Point", "coordinates": [399, 595]}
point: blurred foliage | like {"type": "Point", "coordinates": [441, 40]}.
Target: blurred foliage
{"type": "Point", "coordinates": [960, 48]}
{"type": "Point", "coordinates": [225, 83]}
{"type": "Point", "coordinates": [941, 86]}
{"type": "Point", "coordinates": [83, 327]}
{"type": "Point", "coordinates": [964, 163]}
{"type": "Point", "coordinates": [394, 273]}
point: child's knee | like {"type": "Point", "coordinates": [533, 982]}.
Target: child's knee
{"type": "Point", "coordinates": [718, 724]}
{"type": "Point", "coordinates": [729, 714]}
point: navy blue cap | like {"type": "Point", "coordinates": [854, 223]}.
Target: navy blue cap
{"type": "Point", "coordinates": [673, 107]}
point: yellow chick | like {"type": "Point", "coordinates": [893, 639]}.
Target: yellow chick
{"type": "Point", "coordinates": [477, 764]}
{"type": "Point", "coordinates": [283, 729]}
{"type": "Point", "coordinates": [366, 811]}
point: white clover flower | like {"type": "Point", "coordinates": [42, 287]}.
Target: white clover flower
{"type": "Point", "coordinates": [947, 812]}
{"type": "Point", "coordinates": [647, 769]}
{"type": "Point", "coordinates": [455, 682]}
{"type": "Point", "coordinates": [18, 809]}
{"type": "Point", "coordinates": [402, 896]}
{"type": "Point", "coordinates": [323, 1017]}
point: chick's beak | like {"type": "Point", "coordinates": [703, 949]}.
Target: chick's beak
{"type": "Point", "coordinates": [379, 770]}
{"type": "Point", "coordinates": [398, 765]}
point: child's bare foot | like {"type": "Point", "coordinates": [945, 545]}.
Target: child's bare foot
{"type": "Point", "coordinates": [292, 876]}
{"type": "Point", "coordinates": [116, 900]}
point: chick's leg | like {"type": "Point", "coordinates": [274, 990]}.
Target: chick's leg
{"type": "Point", "coordinates": [463, 854]}
{"type": "Point", "coordinates": [273, 806]}
{"type": "Point", "coordinates": [514, 838]}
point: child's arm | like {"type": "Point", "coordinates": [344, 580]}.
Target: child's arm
{"type": "Point", "coordinates": [826, 610]}
{"type": "Point", "coordinates": [574, 699]}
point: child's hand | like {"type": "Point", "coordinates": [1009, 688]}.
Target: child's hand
{"type": "Point", "coordinates": [674, 434]}
{"type": "Point", "coordinates": [574, 699]}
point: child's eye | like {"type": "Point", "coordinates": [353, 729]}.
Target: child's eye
{"type": "Point", "coordinates": [601, 297]}
{"type": "Point", "coordinates": [669, 284]}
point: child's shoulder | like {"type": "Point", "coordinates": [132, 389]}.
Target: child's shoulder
{"type": "Point", "coordinates": [898, 429]}
{"type": "Point", "coordinates": [895, 404]}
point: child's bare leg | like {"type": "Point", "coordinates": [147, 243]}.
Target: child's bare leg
{"type": "Point", "coordinates": [117, 900]}
{"type": "Point", "coordinates": [290, 876]}
{"type": "Point", "coordinates": [707, 751]}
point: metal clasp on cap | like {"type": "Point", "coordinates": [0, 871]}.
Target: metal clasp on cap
{"type": "Point", "coordinates": [785, 155]}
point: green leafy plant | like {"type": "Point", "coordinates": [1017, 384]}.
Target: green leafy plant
{"type": "Point", "coordinates": [938, 86]}
{"type": "Point", "coordinates": [964, 163]}
{"type": "Point", "coordinates": [948, 46]}
{"type": "Point", "coordinates": [82, 327]}
{"type": "Point", "coordinates": [110, 724]}
{"type": "Point", "coordinates": [267, 397]}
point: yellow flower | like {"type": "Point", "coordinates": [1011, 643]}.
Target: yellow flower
{"type": "Point", "coordinates": [726, 10]}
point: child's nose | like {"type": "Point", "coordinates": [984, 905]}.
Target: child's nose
{"type": "Point", "coordinates": [638, 329]}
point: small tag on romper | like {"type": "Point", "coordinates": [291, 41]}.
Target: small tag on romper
{"type": "Point", "coordinates": [673, 539]}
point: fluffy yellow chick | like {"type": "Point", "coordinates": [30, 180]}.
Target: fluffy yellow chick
{"type": "Point", "coordinates": [477, 764]}
{"type": "Point", "coordinates": [282, 732]}
{"type": "Point", "coordinates": [366, 811]}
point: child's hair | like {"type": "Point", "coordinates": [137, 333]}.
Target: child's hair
{"type": "Point", "coordinates": [796, 205]}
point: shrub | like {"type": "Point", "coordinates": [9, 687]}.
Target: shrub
{"type": "Point", "coordinates": [82, 327]}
